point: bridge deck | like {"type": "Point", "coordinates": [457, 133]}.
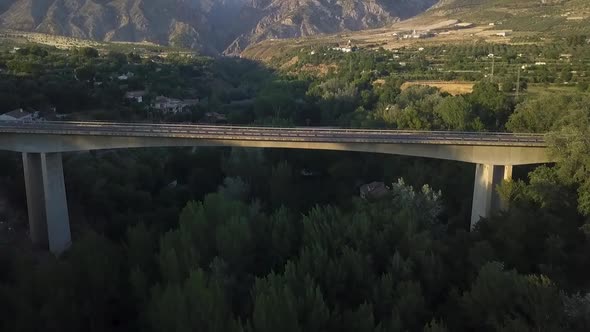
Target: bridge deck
{"type": "Point", "coordinates": [299, 134]}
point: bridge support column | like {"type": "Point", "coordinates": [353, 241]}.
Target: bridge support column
{"type": "Point", "coordinates": [35, 199]}
{"type": "Point", "coordinates": [47, 205]}
{"type": "Point", "coordinates": [485, 197]}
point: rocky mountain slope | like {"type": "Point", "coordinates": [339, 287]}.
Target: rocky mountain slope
{"type": "Point", "coordinates": [208, 25]}
{"type": "Point", "coordinates": [296, 18]}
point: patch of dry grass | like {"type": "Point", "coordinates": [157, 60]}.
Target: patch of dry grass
{"type": "Point", "coordinates": [452, 87]}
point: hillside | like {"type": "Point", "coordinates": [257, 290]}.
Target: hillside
{"type": "Point", "coordinates": [526, 21]}
{"type": "Point", "coordinates": [546, 16]}
{"type": "Point", "coordinates": [207, 25]}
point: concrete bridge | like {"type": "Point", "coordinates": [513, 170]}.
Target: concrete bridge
{"type": "Point", "coordinates": [41, 144]}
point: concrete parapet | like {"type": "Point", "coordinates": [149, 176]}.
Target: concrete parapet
{"type": "Point", "coordinates": [480, 154]}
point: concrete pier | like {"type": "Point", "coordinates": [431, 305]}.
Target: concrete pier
{"type": "Point", "coordinates": [47, 201]}
{"type": "Point", "coordinates": [485, 196]}
{"type": "Point", "coordinates": [35, 200]}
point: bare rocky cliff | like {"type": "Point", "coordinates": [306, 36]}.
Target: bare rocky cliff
{"type": "Point", "coordinates": [297, 18]}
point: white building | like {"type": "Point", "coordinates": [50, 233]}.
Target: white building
{"type": "Point", "coordinates": [125, 77]}
{"type": "Point", "coordinates": [418, 35]}
{"type": "Point", "coordinates": [171, 105]}
{"type": "Point", "coordinates": [136, 96]}
{"type": "Point", "coordinates": [503, 33]}
{"type": "Point", "coordinates": [343, 49]}
{"type": "Point", "coordinates": [17, 115]}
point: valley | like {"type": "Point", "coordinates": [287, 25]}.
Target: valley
{"type": "Point", "coordinates": [159, 170]}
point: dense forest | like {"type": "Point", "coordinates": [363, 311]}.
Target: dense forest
{"type": "Point", "coordinates": [227, 239]}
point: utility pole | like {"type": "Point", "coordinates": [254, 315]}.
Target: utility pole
{"type": "Point", "coordinates": [518, 84]}
{"type": "Point", "coordinates": [493, 64]}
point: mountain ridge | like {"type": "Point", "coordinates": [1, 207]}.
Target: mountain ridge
{"type": "Point", "coordinates": [226, 26]}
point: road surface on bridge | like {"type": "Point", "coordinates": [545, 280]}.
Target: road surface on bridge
{"type": "Point", "coordinates": [297, 134]}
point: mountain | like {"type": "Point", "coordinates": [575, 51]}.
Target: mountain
{"type": "Point", "coordinates": [278, 19]}
{"type": "Point", "coordinates": [495, 21]}
{"type": "Point", "coordinates": [212, 26]}
{"type": "Point", "coordinates": [163, 21]}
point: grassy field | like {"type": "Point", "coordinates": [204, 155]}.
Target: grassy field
{"type": "Point", "coordinates": [555, 89]}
